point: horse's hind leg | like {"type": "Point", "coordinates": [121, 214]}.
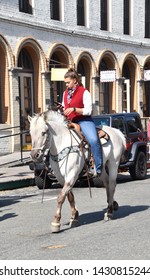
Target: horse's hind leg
{"type": "Point", "coordinates": [112, 205]}
{"type": "Point", "coordinates": [74, 212]}
{"type": "Point", "coordinates": [110, 190]}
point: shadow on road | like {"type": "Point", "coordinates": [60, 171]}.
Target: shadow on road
{"type": "Point", "coordinates": [127, 210]}
{"type": "Point", "coordinates": [123, 211]}
{"type": "Point", "coordinates": [8, 201]}
{"type": "Point", "coordinates": [8, 216]}
{"type": "Point", "coordinates": [89, 218]}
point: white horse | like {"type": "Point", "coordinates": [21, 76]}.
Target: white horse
{"type": "Point", "coordinates": [49, 132]}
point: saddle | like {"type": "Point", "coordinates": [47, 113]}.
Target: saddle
{"type": "Point", "coordinates": [103, 135]}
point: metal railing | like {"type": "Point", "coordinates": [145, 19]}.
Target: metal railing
{"type": "Point", "coordinates": [20, 133]}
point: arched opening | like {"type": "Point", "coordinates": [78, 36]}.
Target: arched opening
{"type": "Point", "coordinates": [4, 87]}
{"type": "Point", "coordinates": [59, 60]}
{"type": "Point", "coordinates": [84, 70]}
{"type": "Point", "coordinates": [30, 88]}
{"type": "Point", "coordinates": [129, 97]}
{"type": "Point", "coordinates": [25, 61]}
{"type": "Point", "coordinates": [25, 79]}
{"type": "Point", "coordinates": [107, 102]}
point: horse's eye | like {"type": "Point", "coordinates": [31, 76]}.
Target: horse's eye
{"type": "Point", "coordinates": [43, 133]}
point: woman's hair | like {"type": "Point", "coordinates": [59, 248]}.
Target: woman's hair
{"type": "Point", "coordinates": [72, 74]}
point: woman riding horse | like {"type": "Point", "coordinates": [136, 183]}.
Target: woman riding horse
{"type": "Point", "coordinates": [77, 104]}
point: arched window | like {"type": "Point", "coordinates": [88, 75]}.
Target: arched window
{"type": "Point", "coordinates": [25, 61]}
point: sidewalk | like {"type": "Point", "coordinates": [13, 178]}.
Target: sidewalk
{"type": "Point", "coordinates": [15, 171]}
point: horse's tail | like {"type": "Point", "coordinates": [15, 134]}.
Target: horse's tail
{"type": "Point", "coordinates": [123, 139]}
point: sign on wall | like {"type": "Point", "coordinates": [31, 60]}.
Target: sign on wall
{"type": "Point", "coordinates": [57, 74]}
{"type": "Point", "coordinates": [107, 76]}
{"type": "Point", "coordinates": [146, 75]}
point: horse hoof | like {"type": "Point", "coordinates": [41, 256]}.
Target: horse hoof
{"type": "Point", "coordinates": [107, 217]}
{"type": "Point", "coordinates": [115, 205]}
{"type": "Point", "coordinates": [73, 223]}
{"type": "Point", "coordinates": [55, 227]}
{"type": "Point", "coordinates": [74, 220]}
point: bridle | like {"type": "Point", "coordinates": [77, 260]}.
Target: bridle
{"type": "Point", "coordinates": [42, 150]}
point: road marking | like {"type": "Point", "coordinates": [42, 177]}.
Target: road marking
{"type": "Point", "coordinates": [56, 246]}
{"type": "Point", "coordinates": [45, 199]}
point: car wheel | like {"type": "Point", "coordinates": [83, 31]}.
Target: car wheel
{"type": "Point", "coordinates": [139, 169]}
{"type": "Point", "coordinates": [41, 181]}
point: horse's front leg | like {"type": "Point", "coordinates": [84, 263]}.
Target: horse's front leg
{"type": "Point", "coordinates": [55, 225]}
{"type": "Point", "coordinates": [74, 212]}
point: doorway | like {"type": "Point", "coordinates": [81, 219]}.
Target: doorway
{"type": "Point", "coordinates": [26, 105]}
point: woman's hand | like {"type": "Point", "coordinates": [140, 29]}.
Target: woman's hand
{"type": "Point", "coordinates": [59, 106]}
{"type": "Point", "coordinates": [68, 111]}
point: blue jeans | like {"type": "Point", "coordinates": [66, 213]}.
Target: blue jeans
{"type": "Point", "coordinates": [89, 130]}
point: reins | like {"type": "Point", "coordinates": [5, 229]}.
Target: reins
{"type": "Point", "coordinates": [85, 164]}
{"type": "Point", "coordinates": [86, 168]}
{"type": "Point", "coordinates": [44, 184]}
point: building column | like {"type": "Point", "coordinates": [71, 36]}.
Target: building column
{"type": "Point", "coordinates": [140, 84]}
{"type": "Point", "coordinates": [119, 90]}
{"type": "Point", "coordinates": [96, 96]}
{"type": "Point", "coordinates": [15, 108]}
{"type": "Point", "coordinates": [46, 89]}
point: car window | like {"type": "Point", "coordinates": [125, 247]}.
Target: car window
{"type": "Point", "coordinates": [118, 123]}
{"type": "Point", "coordinates": [101, 121]}
{"type": "Point", "coordinates": [133, 124]}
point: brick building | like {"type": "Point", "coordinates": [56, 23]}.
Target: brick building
{"type": "Point", "coordinates": [107, 41]}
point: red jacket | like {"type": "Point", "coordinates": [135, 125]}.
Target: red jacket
{"type": "Point", "coordinates": [76, 101]}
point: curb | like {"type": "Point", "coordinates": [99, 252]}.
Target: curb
{"type": "Point", "coordinates": [17, 184]}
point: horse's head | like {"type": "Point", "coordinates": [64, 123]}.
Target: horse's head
{"type": "Point", "coordinates": [39, 132]}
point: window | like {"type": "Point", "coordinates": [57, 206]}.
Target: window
{"type": "Point", "coordinates": [147, 19]}
{"type": "Point", "coordinates": [25, 60]}
{"type": "Point", "coordinates": [25, 6]}
{"type": "Point", "coordinates": [118, 123]}
{"type": "Point", "coordinates": [55, 9]}
{"type": "Point", "coordinates": [80, 13]}
{"type": "Point", "coordinates": [104, 15]}
{"type": "Point", "coordinates": [133, 124]}
{"type": "Point", "coordinates": [126, 17]}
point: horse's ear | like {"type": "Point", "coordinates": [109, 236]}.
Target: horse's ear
{"type": "Point", "coordinates": [29, 118]}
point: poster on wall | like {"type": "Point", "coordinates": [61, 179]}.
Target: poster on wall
{"type": "Point", "coordinates": [107, 76]}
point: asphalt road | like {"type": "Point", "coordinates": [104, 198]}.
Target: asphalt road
{"type": "Point", "coordinates": [25, 224]}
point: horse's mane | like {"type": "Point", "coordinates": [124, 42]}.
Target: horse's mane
{"type": "Point", "coordinates": [52, 115]}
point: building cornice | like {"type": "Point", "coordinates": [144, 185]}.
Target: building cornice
{"type": "Point", "coordinates": [88, 34]}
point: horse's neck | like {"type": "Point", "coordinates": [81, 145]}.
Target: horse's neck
{"type": "Point", "coordinates": [61, 137]}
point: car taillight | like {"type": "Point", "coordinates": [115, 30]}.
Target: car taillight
{"type": "Point", "coordinates": [128, 145]}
